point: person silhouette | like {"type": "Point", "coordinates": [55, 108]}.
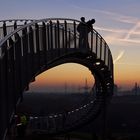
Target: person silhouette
{"type": "Point", "coordinates": [82, 29]}
{"type": "Point", "coordinates": [88, 30]}
{"type": "Point", "coordinates": [89, 24]}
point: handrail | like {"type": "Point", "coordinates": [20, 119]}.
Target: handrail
{"type": "Point", "coordinates": [30, 24]}
{"type": "Point", "coordinates": [37, 21]}
{"type": "Point", "coordinates": [11, 20]}
{"type": "Point", "coordinates": [2, 41]}
{"type": "Point", "coordinates": [9, 25]}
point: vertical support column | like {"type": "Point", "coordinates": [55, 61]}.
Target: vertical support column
{"type": "Point", "coordinates": [48, 42]}
{"type": "Point", "coordinates": [101, 48]}
{"type": "Point", "coordinates": [25, 58]}
{"type": "Point", "coordinates": [28, 58]}
{"type": "Point", "coordinates": [105, 53]}
{"type": "Point", "coordinates": [48, 37]}
{"type": "Point", "coordinates": [18, 68]}
{"type": "Point", "coordinates": [63, 37]}
{"type": "Point", "coordinates": [55, 37]}
{"type": "Point", "coordinates": [65, 29]}
{"type": "Point", "coordinates": [6, 92]}
{"type": "Point", "coordinates": [37, 56]}
{"type": "Point", "coordinates": [51, 36]}
{"type": "Point", "coordinates": [44, 42]}
{"type": "Point", "coordinates": [112, 69]}
{"type": "Point", "coordinates": [74, 34]}
{"type": "Point", "coordinates": [51, 40]}
{"type": "Point", "coordinates": [15, 25]}
{"type": "Point", "coordinates": [4, 29]}
{"type": "Point", "coordinates": [58, 37]}
{"type": "Point", "coordinates": [91, 41]}
{"type": "Point", "coordinates": [96, 45]}
{"type": "Point", "coordinates": [44, 35]}
{"type": "Point", "coordinates": [69, 40]}
{"type": "Point", "coordinates": [11, 79]}
{"type": "Point", "coordinates": [32, 52]}
{"type": "Point", "coordinates": [37, 37]}
{"type": "Point", "coordinates": [109, 59]}
{"type": "Point", "coordinates": [25, 22]}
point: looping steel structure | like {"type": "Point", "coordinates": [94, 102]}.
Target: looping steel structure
{"type": "Point", "coordinates": [34, 46]}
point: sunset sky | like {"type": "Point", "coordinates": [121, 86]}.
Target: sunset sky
{"type": "Point", "coordinates": [118, 21]}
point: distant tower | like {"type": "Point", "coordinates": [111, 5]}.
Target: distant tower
{"type": "Point", "coordinates": [136, 88]}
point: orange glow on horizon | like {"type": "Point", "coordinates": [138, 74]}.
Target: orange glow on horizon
{"type": "Point", "coordinates": [74, 74]}
{"type": "Point", "coordinates": [71, 74]}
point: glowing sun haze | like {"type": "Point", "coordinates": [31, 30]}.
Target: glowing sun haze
{"type": "Point", "coordinates": [72, 74]}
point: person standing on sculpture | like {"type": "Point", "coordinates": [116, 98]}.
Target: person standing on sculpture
{"type": "Point", "coordinates": [89, 24]}
{"type": "Point", "coordinates": [84, 28]}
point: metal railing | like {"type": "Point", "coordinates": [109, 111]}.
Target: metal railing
{"type": "Point", "coordinates": [65, 31]}
{"type": "Point", "coordinates": [8, 26]}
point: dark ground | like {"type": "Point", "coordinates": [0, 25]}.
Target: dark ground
{"type": "Point", "coordinates": [123, 113]}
